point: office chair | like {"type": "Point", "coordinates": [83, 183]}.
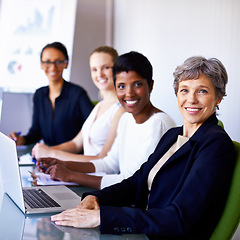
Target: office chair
{"type": "Point", "coordinates": [230, 218]}
{"type": "Point", "coordinates": [220, 123]}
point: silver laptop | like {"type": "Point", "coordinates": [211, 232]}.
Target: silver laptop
{"type": "Point", "coordinates": [61, 197]}
{"type": "Point", "coordinates": [1, 103]}
{"type": "Point", "coordinates": [11, 216]}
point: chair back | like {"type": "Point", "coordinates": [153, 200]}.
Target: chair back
{"type": "Point", "coordinates": [229, 220]}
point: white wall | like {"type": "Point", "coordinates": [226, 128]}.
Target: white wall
{"type": "Point", "coordinates": [92, 29]}
{"type": "Point", "coordinates": [169, 31]}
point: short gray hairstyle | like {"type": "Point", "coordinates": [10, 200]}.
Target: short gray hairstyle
{"type": "Point", "coordinates": [196, 66]}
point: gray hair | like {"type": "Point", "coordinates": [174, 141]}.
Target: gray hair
{"type": "Point", "coordinates": [194, 67]}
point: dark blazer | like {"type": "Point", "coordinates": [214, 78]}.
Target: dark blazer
{"type": "Point", "coordinates": [188, 192]}
{"type": "Point", "coordinates": [72, 108]}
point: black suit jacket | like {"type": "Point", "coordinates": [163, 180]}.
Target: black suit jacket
{"type": "Point", "coordinates": [188, 193]}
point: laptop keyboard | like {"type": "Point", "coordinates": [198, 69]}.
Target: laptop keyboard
{"type": "Point", "coordinates": [37, 198]}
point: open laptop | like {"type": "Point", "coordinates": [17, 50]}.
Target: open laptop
{"type": "Point", "coordinates": [12, 221]}
{"type": "Point", "coordinates": [63, 197]}
{"type": "Point", "coordinates": [1, 102]}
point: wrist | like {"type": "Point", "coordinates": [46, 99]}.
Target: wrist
{"type": "Point", "coordinates": [53, 153]}
{"type": "Point", "coordinates": [73, 177]}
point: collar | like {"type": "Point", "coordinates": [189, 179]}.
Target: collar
{"type": "Point", "coordinates": [63, 91]}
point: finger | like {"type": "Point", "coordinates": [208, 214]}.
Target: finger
{"type": "Point", "coordinates": [61, 215]}
{"type": "Point", "coordinates": [13, 136]}
{"type": "Point", "coordinates": [64, 223]}
{"type": "Point", "coordinates": [49, 170]}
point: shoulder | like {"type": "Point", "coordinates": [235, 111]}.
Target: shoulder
{"type": "Point", "coordinates": [73, 87]}
{"type": "Point", "coordinates": [160, 121]}
{"type": "Point", "coordinates": [211, 130]}
{"type": "Point", "coordinates": [163, 118]}
{"type": "Point", "coordinates": [126, 117]}
{"type": "Point", "coordinates": [41, 92]}
{"type": "Point", "coordinates": [216, 134]}
{"type": "Point", "coordinates": [212, 138]}
{"type": "Point", "coordinates": [119, 110]}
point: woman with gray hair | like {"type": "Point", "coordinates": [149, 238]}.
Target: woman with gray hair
{"type": "Point", "coordinates": [194, 67]}
{"type": "Point", "coordinates": [180, 192]}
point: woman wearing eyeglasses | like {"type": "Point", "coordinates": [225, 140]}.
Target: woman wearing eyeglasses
{"type": "Point", "coordinates": [59, 109]}
{"type": "Point", "coordinates": [99, 130]}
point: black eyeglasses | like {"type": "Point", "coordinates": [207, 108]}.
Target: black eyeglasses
{"type": "Point", "coordinates": [58, 64]}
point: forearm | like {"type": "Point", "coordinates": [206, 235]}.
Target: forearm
{"type": "Point", "coordinates": [86, 180]}
{"type": "Point", "coordinates": [82, 167]}
{"type": "Point", "coordinates": [66, 156]}
{"type": "Point", "coordinates": [69, 147]}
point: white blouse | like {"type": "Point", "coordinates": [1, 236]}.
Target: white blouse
{"type": "Point", "coordinates": [132, 146]}
{"type": "Point", "coordinates": [180, 142]}
{"type": "Point", "coordinates": [95, 131]}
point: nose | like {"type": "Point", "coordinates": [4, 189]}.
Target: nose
{"type": "Point", "coordinates": [130, 91]}
{"type": "Point", "coordinates": [100, 73]}
{"type": "Point", "coordinates": [52, 66]}
{"type": "Point", "coordinates": [192, 97]}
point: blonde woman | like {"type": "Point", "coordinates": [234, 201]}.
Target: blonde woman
{"type": "Point", "coordinates": [99, 130]}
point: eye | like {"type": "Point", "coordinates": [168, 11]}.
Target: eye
{"type": "Point", "coordinates": [203, 91]}
{"type": "Point", "coordinates": [107, 67]}
{"type": "Point", "coordinates": [46, 62]}
{"type": "Point", "coordinates": [94, 69]}
{"type": "Point", "coordinates": [120, 86]}
{"type": "Point", "coordinates": [183, 90]}
{"type": "Point", "coordinates": [138, 84]}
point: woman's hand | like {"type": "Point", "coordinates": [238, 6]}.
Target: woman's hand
{"type": "Point", "coordinates": [44, 163]}
{"type": "Point", "coordinates": [59, 172]}
{"type": "Point", "coordinates": [79, 218]}
{"type": "Point", "coordinates": [90, 202]}
{"type": "Point", "coordinates": [17, 138]}
{"type": "Point", "coordinates": [41, 150]}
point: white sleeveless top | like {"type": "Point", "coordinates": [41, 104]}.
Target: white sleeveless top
{"type": "Point", "coordinates": [95, 131]}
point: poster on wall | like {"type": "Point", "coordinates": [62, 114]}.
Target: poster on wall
{"type": "Point", "coordinates": [26, 26]}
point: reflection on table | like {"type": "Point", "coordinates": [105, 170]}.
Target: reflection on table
{"type": "Point", "coordinates": [14, 225]}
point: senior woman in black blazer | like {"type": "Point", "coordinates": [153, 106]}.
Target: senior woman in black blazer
{"type": "Point", "coordinates": [180, 192]}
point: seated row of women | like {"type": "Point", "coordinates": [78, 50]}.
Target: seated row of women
{"type": "Point", "coordinates": [138, 132]}
{"type": "Point", "coordinates": [165, 181]}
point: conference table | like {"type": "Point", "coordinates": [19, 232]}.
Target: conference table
{"type": "Point", "coordinates": [14, 225]}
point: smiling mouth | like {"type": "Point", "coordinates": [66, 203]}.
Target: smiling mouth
{"type": "Point", "coordinates": [52, 73]}
{"type": "Point", "coordinates": [193, 109]}
{"type": "Point", "coordinates": [102, 81]}
{"type": "Point", "coordinates": [131, 102]}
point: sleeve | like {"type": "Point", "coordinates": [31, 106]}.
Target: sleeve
{"type": "Point", "coordinates": [113, 195]}
{"type": "Point", "coordinates": [207, 181]}
{"type": "Point", "coordinates": [34, 134]}
{"type": "Point", "coordinates": [110, 163]}
{"type": "Point", "coordinates": [152, 134]}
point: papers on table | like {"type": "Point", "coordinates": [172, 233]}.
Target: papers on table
{"type": "Point", "coordinates": [45, 179]}
{"type": "Point", "coordinates": [26, 160]}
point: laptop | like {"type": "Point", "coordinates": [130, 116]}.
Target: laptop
{"type": "Point", "coordinates": [59, 198]}
{"type": "Point", "coordinates": [1, 102]}
{"type": "Point", "coordinates": [12, 221]}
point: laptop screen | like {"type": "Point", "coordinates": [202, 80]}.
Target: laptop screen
{"type": "Point", "coordinates": [1, 102]}
{"type": "Point", "coordinates": [10, 173]}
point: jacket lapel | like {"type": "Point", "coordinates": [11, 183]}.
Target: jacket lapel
{"type": "Point", "coordinates": [191, 142]}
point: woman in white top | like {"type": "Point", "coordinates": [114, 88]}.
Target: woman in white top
{"type": "Point", "coordinates": [99, 130]}
{"type": "Point", "coordinates": [138, 132]}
